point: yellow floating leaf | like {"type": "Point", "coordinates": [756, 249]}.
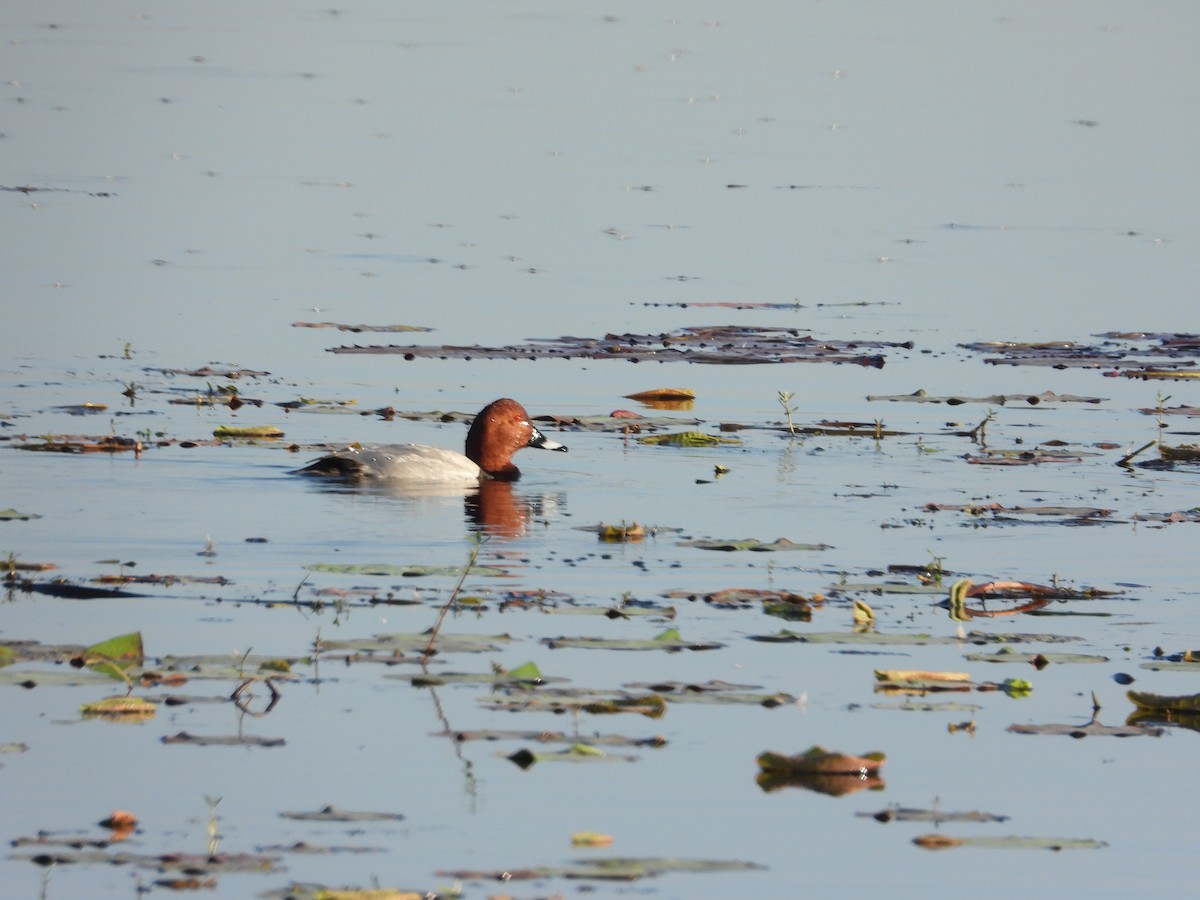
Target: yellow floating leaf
{"type": "Point", "coordinates": [123, 708]}
{"type": "Point", "coordinates": [688, 439]}
{"type": "Point", "coordinates": [247, 431]}
{"type": "Point", "coordinates": [591, 839]}
{"type": "Point", "coordinates": [621, 533]}
{"type": "Point", "coordinates": [863, 614]}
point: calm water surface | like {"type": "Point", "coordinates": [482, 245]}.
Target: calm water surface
{"type": "Point", "coordinates": [207, 176]}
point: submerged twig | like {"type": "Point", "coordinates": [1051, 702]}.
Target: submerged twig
{"type": "Point", "coordinates": [1124, 460]}
{"type": "Point", "coordinates": [979, 432]}
{"type": "Point", "coordinates": [428, 652]}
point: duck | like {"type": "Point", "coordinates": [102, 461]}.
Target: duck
{"type": "Point", "coordinates": [500, 430]}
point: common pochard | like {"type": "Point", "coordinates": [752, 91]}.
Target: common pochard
{"type": "Point", "coordinates": [500, 430]}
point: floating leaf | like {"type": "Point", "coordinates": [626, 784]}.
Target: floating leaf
{"type": "Point", "coordinates": [591, 839]}
{"type": "Point", "coordinates": [527, 676]}
{"type": "Point", "coordinates": [663, 394]}
{"type": "Point", "coordinates": [779, 544]}
{"type": "Point", "coordinates": [127, 709]}
{"type": "Point", "coordinates": [1187, 703]}
{"type": "Point", "coordinates": [945, 841]}
{"type": "Point", "coordinates": [901, 680]}
{"type": "Point", "coordinates": [333, 814]}
{"type": "Point", "coordinates": [1091, 729]}
{"type": "Point", "coordinates": [114, 656]}
{"type": "Point", "coordinates": [936, 816]}
{"type": "Point", "coordinates": [608, 870]}
{"type": "Point", "coordinates": [576, 754]}
{"type": "Point", "coordinates": [920, 396]}
{"type": "Point", "coordinates": [222, 740]}
{"type": "Point", "coordinates": [688, 439]}
{"type": "Point", "coordinates": [621, 533]}
{"type": "Point", "coordinates": [357, 328]}
{"type": "Point", "coordinates": [10, 515]}
{"type": "Point", "coordinates": [669, 640]}
{"type": "Point", "coordinates": [552, 737]}
{"type": "Point", "coordinates": [884, 587]}
{"type": "Point", "coordinates": [402, 643]}
{"type": "Point", "coordinates": [229, 432]}
{"type": "Point", "coordinates": [1006, 655]}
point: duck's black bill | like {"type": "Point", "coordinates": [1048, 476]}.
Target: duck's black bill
{"type": "Point", "coordinates": [541, 442]}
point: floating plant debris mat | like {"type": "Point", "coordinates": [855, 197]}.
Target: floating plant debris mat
{"type": "Point", "coordinates": [936, 816]}
{"type": "Point", "coordinates": [1116, 354]}
{"type": "Point", "coordinates": [83, 444]}
{"type": "Point", "coordinates": [552, 737]}
{"type": "Point", "coordinates": [607, 869]}
{"type": "Point", "coordinates": [998, 512]}
{"type": "Point", "coordinates": [785, 636]}
{"type": "Point", "coordinates": [1046, 397]}
{"type": "Point", "coordinates": [1026, 457]}
{"type": "Point", "coordinates": [1011, 842]}
{"type": "Point", "coordinates": [358, 328]}
{"type": "Point", "coordinates": [717, 345]}
{"type": "Point", "coordinates": [576, 753]}
{"type": "Point", "coordinates": [762, 304]}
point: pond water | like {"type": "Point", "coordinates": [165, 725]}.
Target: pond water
{"type": "Point", "coordinates": [182, 183]}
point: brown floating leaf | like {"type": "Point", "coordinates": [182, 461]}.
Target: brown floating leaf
{"type": "Point", "coordinates": [670, 394]}
{"type": "Point", "coordinates": [936, 841]}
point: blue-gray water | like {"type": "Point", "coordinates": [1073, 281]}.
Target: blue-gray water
{"type": "Point", "coordinates": [210, 174]}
